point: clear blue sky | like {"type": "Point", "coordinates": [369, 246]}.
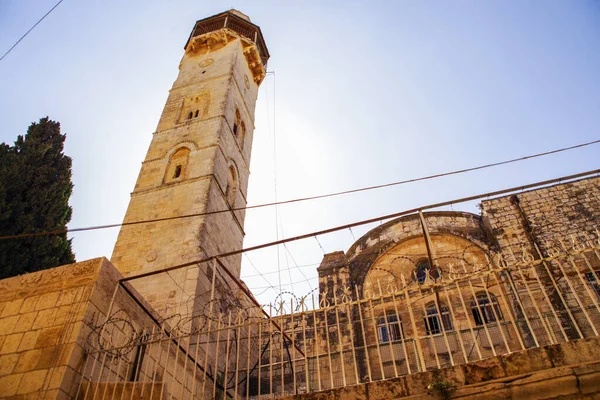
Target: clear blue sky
{"type": "Point", "coordinates": [364, 93]}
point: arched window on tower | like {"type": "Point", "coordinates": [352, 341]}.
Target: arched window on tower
{"type": "Point", "coordinates": [177, 168]}
{"type": "Point", "coordinates": [236, 123]}
{"type": "Point", "coordinates": [485, 309]}
{"type": "Point", "coordinates": [231, 189]}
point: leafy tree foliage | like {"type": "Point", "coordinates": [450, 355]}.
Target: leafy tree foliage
{"type": "Point", "coordinates": [35, 186]}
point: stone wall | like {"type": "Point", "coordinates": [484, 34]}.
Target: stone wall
{"type": "Point", "coordinates": [566, 371]}
{"type": "Point", "coordinates": [45, 318]}
{"type": "Point", "coordinates": [71, 332]}
{"type": "Point", "coordinates": [544, 218]}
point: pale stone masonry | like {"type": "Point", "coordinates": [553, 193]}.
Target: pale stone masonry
{"type": "Point", "coordinates": [537, 221]}
{"type": "Point", "coordinates": [45, 321]}
{"type": "Point", "coordinates": [198, 161]}
{"type": "Point", "coordinates": [405, 307]}
{"type": "Point", "coordinates": [544, 218]}
{"type": "Point", "coordinates": [565, 371]}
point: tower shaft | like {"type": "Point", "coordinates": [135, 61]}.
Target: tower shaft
{"type": "Point", "coordinates": [197, 163]}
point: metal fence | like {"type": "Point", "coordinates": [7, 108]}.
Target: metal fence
{"type": "Point", "coordinates": [387, 329]}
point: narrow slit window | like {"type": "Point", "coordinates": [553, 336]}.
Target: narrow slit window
{"type": "Point", "coordinates": [177, 172]}
{"type": "Point", "coordinates": [196, 114]}
{"type": "Point", "coordinates": [190, 115]}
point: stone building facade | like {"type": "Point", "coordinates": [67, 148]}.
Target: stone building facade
{"type": "Point", "coordinates": [460, 287]}
{"type": "Point", "coordinates": [502, 304]}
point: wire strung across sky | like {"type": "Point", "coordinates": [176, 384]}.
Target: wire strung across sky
{"type": "Point", "coordinates": [369, 221]}
{"type": "Point", "coordinates": [428, 177]}
{"type": "Point", "coordinates": [30, 29]}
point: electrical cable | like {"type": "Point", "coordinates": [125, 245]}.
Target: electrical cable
{"type": "Point", "coordinates": [372, 220]}
{"type": "Point", "coordinates": [30, 29]}
{"type": "Point", "coordinates": [284, 269]}
{"type": "Point", "coordinates": [61, 231]}
{"type": "Point", "coordinates": [259, 273]}
{"type": "Point", "coordinates": [295, 263]}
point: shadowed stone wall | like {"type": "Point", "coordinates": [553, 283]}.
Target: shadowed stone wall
{"type": "Point", "coordinates": [566, 371]}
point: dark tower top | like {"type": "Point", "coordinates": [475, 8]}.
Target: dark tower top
{"type": "Point", "coordinates": [237, 22]}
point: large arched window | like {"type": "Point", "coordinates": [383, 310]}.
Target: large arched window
{"type": "Point", "coordinates": [485, 309]}
{"type": "Point", "coordinates": [421, 271]}
{"type": "Point", "coordinates": [231, 188]}
{"type": "Point", "coordinates": [236, 123]}
{"type": "Point", "coordinates": [177, 168]}
{"type": "Point", "coordinates": [433, 325]}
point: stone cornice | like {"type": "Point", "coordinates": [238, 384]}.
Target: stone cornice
{"type": "Point", "coordinates": [215, 40]}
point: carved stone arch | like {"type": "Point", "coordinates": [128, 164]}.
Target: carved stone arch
{"type": "Point", "coordinates": [368, 251]}
{"type": "Point", "coordinates": [408, 260]}
{"type": "Point", "coordinates": [191, 145]}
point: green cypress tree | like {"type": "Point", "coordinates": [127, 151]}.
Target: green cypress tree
{"type": "Point", "coordinates": [35, 186]}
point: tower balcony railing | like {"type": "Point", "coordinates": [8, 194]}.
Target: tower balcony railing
{"type": "Point", "coordinates": [237, 24]}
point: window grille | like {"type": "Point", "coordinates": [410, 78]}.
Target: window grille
{"type": "Point", "coordinates": [594, 281]}
{"type": "Point", "coordinates": [483, 309]}
{"type": "Point", "coordinates": [390, 331]}
{"type": "Point", "coordinates": [432, 321]}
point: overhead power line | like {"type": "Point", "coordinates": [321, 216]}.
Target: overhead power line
{"type": "Point", "coordinates": [428, 177]}
{"type": "Point", "coordinates": [30, 29]}
{"type": "Point", "coordinates": [370, 221]}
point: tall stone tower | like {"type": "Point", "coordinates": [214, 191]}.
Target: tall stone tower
{"type": "Point", "coordinates": [198, 162]}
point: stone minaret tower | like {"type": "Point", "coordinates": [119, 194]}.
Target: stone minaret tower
{"type": "Point", "coordinates": [198, 161]}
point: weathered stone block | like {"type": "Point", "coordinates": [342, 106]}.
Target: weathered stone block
{"type": "Point", "coordinates": [45, 318]}
{"type": "Point", "coordinates": [575, 352]}
{"type": "Point", "coordinates": [526, 361]}
{"type": "Point", "coordinates": [9, 384]}
{"type": "Point", "coordinates": [29, 340]}
{"type": "Point", "coordinates": [379, 390]}
{"type": "Point", "coordinates": [29, 304]}
{"type": "Point", "coordinates": [482, 371]}
{"type": "Point", "coordinates": [47, 300]}
{"type": "Point", "coordinates": [545, 387]}
{"type": "Point", "coordinates": [8, 324]}
{"type": "Point", "coordinates": [32, 382]}
{"type": "Point", "coordinates": [11, 343]}
{"type": "Point", "coordinates": [11, 308]}
{"type": "Point", "coordinates": [7, 363]}
{"type": "Point", "coordinates": [25, 322]}
{"type": "Point", "coordinates": [27, 361]}
{"type": "Point", "coordinates": [48, 337]}
{"type": "Point", "coordinates": [589, 378]}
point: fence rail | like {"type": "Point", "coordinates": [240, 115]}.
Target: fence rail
{"type": "Point", "coordinates": [388, 329]}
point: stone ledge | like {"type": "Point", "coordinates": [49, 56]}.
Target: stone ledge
{"type": "Point", "coordinates": [568, 370]}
